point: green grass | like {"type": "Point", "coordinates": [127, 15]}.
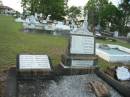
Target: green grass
{"type": "Point", "coordinates": [117, 42]}
{"type": "Point", "coordinates": [13, 41]}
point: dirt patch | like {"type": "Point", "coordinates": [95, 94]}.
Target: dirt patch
{"type": "Point", "coordinates": [3, 79]}
{"type": "Point", "coordinates": [63, 86]}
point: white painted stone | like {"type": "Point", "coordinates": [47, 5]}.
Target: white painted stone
{"type": "Point", "coordinates": [128, 35]}
{"type": "Point", "coordinates": [116, 34]}
{"type": "Point", "coordinates": [123, 73]}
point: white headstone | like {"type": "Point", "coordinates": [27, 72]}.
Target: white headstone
{"type": "Point", "coordinates": [48, 18]}
{"type": "Point", "coordinates": [82, 44]}
{"type": "Point", "coordinates": [34, 62]}
{"type": "Point", "coordinates": [128, 35]}
{"type": "Point", "coordinates": [36, 15]}
{"type": "Point", "coordinates": [32, 19]}
{"type": "Point", "coordinates": [40, 14]}
{"type": "Point", "coordinates": [116, 34]}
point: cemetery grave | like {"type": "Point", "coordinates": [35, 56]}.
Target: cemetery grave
{"type": "Point", "coordinates": [113, 53]}
{"type": "Point", "coordinates": [50, 83]}
{"type": "Point", "coordinates": [33, 23]}
{"type": "Point", "coordinates": [80, 55]}
{"type": "Point", "coordinates": [81, 49]}
{"type": "Point", "coordinates": [63, 86]}
{"type": "Point", "coordinates": [75, 58]}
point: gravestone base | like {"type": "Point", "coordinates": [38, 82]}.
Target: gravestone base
{"type": "Point", "coordinates": [36, 74]}
{"type": "Point", "coordinates": [68, 70]}
{"type": "Point", "coordinates": [80, 61]}
{"type": "Point", "coordinates": [78, 64]}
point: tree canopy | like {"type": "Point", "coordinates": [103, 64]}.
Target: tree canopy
{"type": "Point", "coordinates": [125, 9]}
{"type": "Point", "coordinates": [111, 15]}
{"type": "Point", "coordinates": [105, 14]}
{"type": "Point", "coordinates": [53, 7]}
{"type": "Point", "coordinates": [92, 8]}
{"type": "Point", "coordinates": [74, 12]}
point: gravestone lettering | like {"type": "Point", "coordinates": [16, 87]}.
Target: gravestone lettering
{"type": "Point", "coordinates": [34, 62]}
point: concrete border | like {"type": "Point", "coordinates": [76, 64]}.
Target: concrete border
{"type": "Point", "coordinates": [111, 57]}
{"type": "Point", "coordinates": [114, 83]}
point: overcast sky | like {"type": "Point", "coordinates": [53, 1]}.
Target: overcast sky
{"type": "Point", "coordinates": [16, 4]}
{"type": "Point", "coordinates": [83, 2]}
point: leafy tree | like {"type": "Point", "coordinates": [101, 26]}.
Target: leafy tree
{"type": "Point", "coordinates": [104, 13]}
{"type": "Point", "coordinates": [110, 14]}
{"type": "Point", "coordinates": [53, 7]}
{"type": "Point", "coordinates": [93, 8]}
{"type": "Point", "coordinates": [74, 12]}
{"type": "Point", "coordinates": [125, 8]}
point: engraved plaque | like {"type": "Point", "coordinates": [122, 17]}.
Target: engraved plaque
{"type": "Point", "coordinates": [82, 45]}
{"type": "Point", "coordinates": [82, 63]}
{"type": "Point", "coordinates": [34, 62]}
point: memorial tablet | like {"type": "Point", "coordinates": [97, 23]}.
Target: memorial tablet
{"type": "Point", "coordinates": [82, 45]}
{"type": "Point", "coordinates": [34, 62]}
{"type": "Point", "coordinates": [82, 63]}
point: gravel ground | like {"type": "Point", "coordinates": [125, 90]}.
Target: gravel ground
{"type": "Point", "coordinates": [65, 86]}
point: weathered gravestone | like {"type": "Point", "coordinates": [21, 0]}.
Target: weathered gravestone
{"type": "Point", "coordinates": [81, 50]}
{"type": "Point", "coordinates": [29, 66]}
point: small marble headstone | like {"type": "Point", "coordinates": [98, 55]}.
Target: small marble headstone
{"type": "Point", "coordinates": [116, 34]}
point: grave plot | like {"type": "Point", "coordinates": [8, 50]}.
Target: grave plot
{"type": "Point", "coordinates": [113, 53]}
{"type": "Point", "coordinates": [65, 86]}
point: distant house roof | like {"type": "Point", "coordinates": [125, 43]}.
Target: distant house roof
{"type": "Point", "coordinates": [5, 7]}
{"type": "Point", "coordinates": [7, 10]}
{"type": "Point", "coordinates": [1, 3]}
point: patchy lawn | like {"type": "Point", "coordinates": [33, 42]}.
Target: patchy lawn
{"type": "Point", "coordinates": [117, 42]}
{"type": "Point", "coordinates": [13, 41]}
